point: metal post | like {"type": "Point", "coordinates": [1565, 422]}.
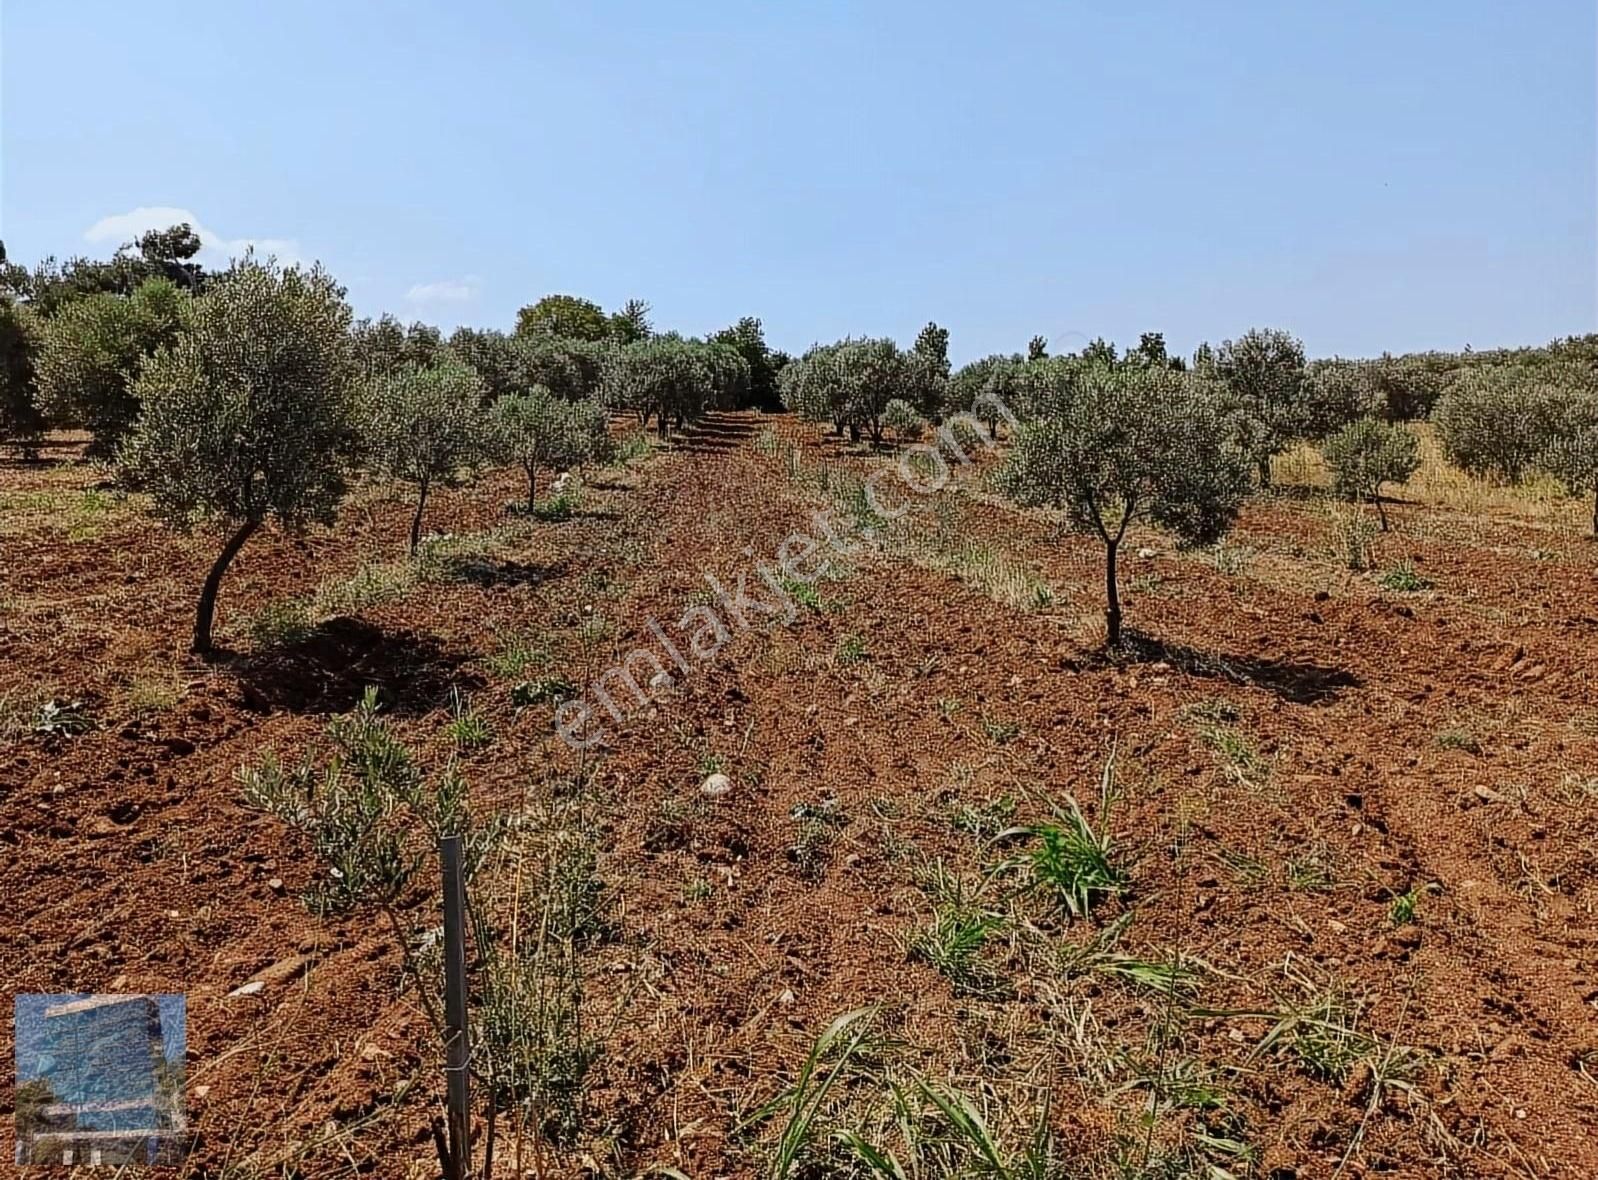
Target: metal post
{"type": "Point", "coordinates": [457, 1045]}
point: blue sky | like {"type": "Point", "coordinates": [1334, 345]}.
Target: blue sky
{"type": "Point", "coordinates": [1372, 176]}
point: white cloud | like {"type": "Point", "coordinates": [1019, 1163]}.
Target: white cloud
{"type": "Point", "coordinates": [444, 291]}
{"type": "Point", "coordinates": [215, 250]}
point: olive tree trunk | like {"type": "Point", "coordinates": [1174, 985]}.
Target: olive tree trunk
{"type": "Point", "coordinates": [206, 612]}
{"type": "Point", "coordinates": [1112, 593]}
{"type": "Point", "coordinates": [532, 486]}
{"type": "Point", "coordinates": [416, 521]}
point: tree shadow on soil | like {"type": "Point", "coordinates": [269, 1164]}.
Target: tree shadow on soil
{"type": "Point", "coordinates": [329, 669]}
{"type": "Point", "coordinates": [1302, 684]}
{"type": "Point", "coordinates": [490, 572]}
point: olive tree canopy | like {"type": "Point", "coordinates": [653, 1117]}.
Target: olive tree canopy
{"type": "Point", "coordinates": [1264, 369]}
{"type": "Point", "coordinates": [424, 426]}
{"type": "Point", "coordinates": [21, 422]}
{"type": "Point", "coordinates": [93, 350]}
{"type": "Point", "coordinates": [248, 416]}
{"type": "Point", "coordinates": [537, 430]}
{"type": "Point", "coordinates": [1368, 453]}
{"type": "Point", "coordinates": [1572, 455]}
{"type": "Point", "coordinates": [1129, 445]}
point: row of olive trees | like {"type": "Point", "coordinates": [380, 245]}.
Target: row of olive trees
{"type": "Point", "coordinates": [1509, 422]}
{"type": "Point", "coordinates": [851, 383]}
{"type": "Point", "coordinates": [259, 411]}
{"type": "Point", "coordinates": [1113, 440]}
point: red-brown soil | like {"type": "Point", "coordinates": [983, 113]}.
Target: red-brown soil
{"type": "Point", "coordinates": [131, 863]}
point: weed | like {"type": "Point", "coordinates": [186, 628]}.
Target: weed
{"type": "Point", "coordinates": [953, 946]}
{"type": "Point", "coordinates": [516, 655]}
{"type": "Point", "coordinates": [1403, 579]}
{"type": "Point", "coordinates": [1459, 739]}
{"type": "Point", "coordinates": [280, 624]}
{"type": "Point", "coordinates": [949, 707]}
{"type": "Point", "coordinates": [563, 505]}
{"type": "Point", "coordinates": [805, 594]}
{"type": "Point", "coordinates": [151, 695]}
{"type": "Point", "coordinates": [631, 447]}
{"type": "Point", "coordinates": [1231, 559]}
{"type": "Point", "coordinates": [1353, 536]}
{"type": "Point", "coordinates": [1000, 733]}
{"type": "Point", "coordinates": [370, 585]}
{"type": "Point", "coordinates": [1310, 872]}
{"type": "Point", "coordinates": [1249, 870]}
{"type": "Point", "coordinates": [535, 1041]}
{"type": "Point", "coordinates": [1072, 861]}
{"type": "Point", "coordinates": [56, 718]}
{"type": "Point", "coordinates": [805, 1100]}
{"type": "Point", "coordinates": [852, 650]}
{"type": "Point", "coordinates": [986, 820]}
{"type": "Point", "coordinates": [944, 1132]}
{"type": "Point", "coordinates": [1405, 905]}
{"type": "Point", "coordinates": [1321, 1030]}
{"type": "Point", "coordinates": [551, 689]}
{"type": "Point", "coordinates": [1237, 756]}
{"type": "Point", "coordinates": [812, 845]}
{"type": "Point", "coordinates": [1213, 710]}
{"type": "Point", "coordinates": [467, 729]}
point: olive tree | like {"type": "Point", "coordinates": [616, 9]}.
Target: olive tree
{"type": "Point", "coordinates": [1368, 453]}
{"type": "Point", "coordinates": [92, 353]}
{"type": "Point", "coordinates": [1336, 394]}
{"type": "Point", "coordinates": [248, 416]}
{"type": "Point", "coordinates": [1264, 369]}
{"type": "Point", "coordinates": [1124, 446]}
{"type": "Point", "coordinates": [423, 426]}
{"type": "Point", "coordinates": [21, 423]}
{"type": "Point", "coordinates": [1572, 456]}
{"type": "Point", "coordinates": [537, 430]}
{"type": "Point", "coordinates": [901, 418]}
{"type": "Point", "coordinates": [1495, 423]}
{"type": "Point", "coordinates": [852, 382]}
{"type": "Point", "coordinates": [983, 386]}
{"type": "Point", "coordinates": [563, 315]}
{"type": "Point", "coordinates": [664, 377]}
{"type": "Point", "coordinates": [813, 386]}
{"type": "Point", "coordinates": [384, 344]}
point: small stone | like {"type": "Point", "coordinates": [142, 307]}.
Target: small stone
{"type": "Point", "coordinates": [660, 682]}
{"type": "Point", "coordinates": [1145, 553]}
{"type": "Point", "coordinates": [1488, 795]}
{"type": "Point", "coordinates": [715, 786]}
{"type": "Point", "coordinates": [275, 884]}
{"type": "Point", "coordinates": [201, 1091]}
{"type": "Point", "coordinates": [787, 996]}
{"type": "Point", "coordinates": [247, 989]}
{"type": "Point", "coordinates": [1235, 1035]}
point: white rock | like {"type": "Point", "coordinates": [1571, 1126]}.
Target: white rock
{"type": "Point", "coordinates": [660, 682]}
{"type": "Point", "coordinates": [715, 786]}
{"type": "Point", "coordinates": [247, 989]}
{"type": "Point", "coordinates": [1145, 553]}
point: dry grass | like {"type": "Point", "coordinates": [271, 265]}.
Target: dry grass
{"type": "Point", "coordinates": [1437, 484]}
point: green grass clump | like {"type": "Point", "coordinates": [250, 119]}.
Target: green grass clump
{"type": "Point", "coordinates": [1403, 579]}
{"type": "Point", "coordinates": [1073, 862]}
